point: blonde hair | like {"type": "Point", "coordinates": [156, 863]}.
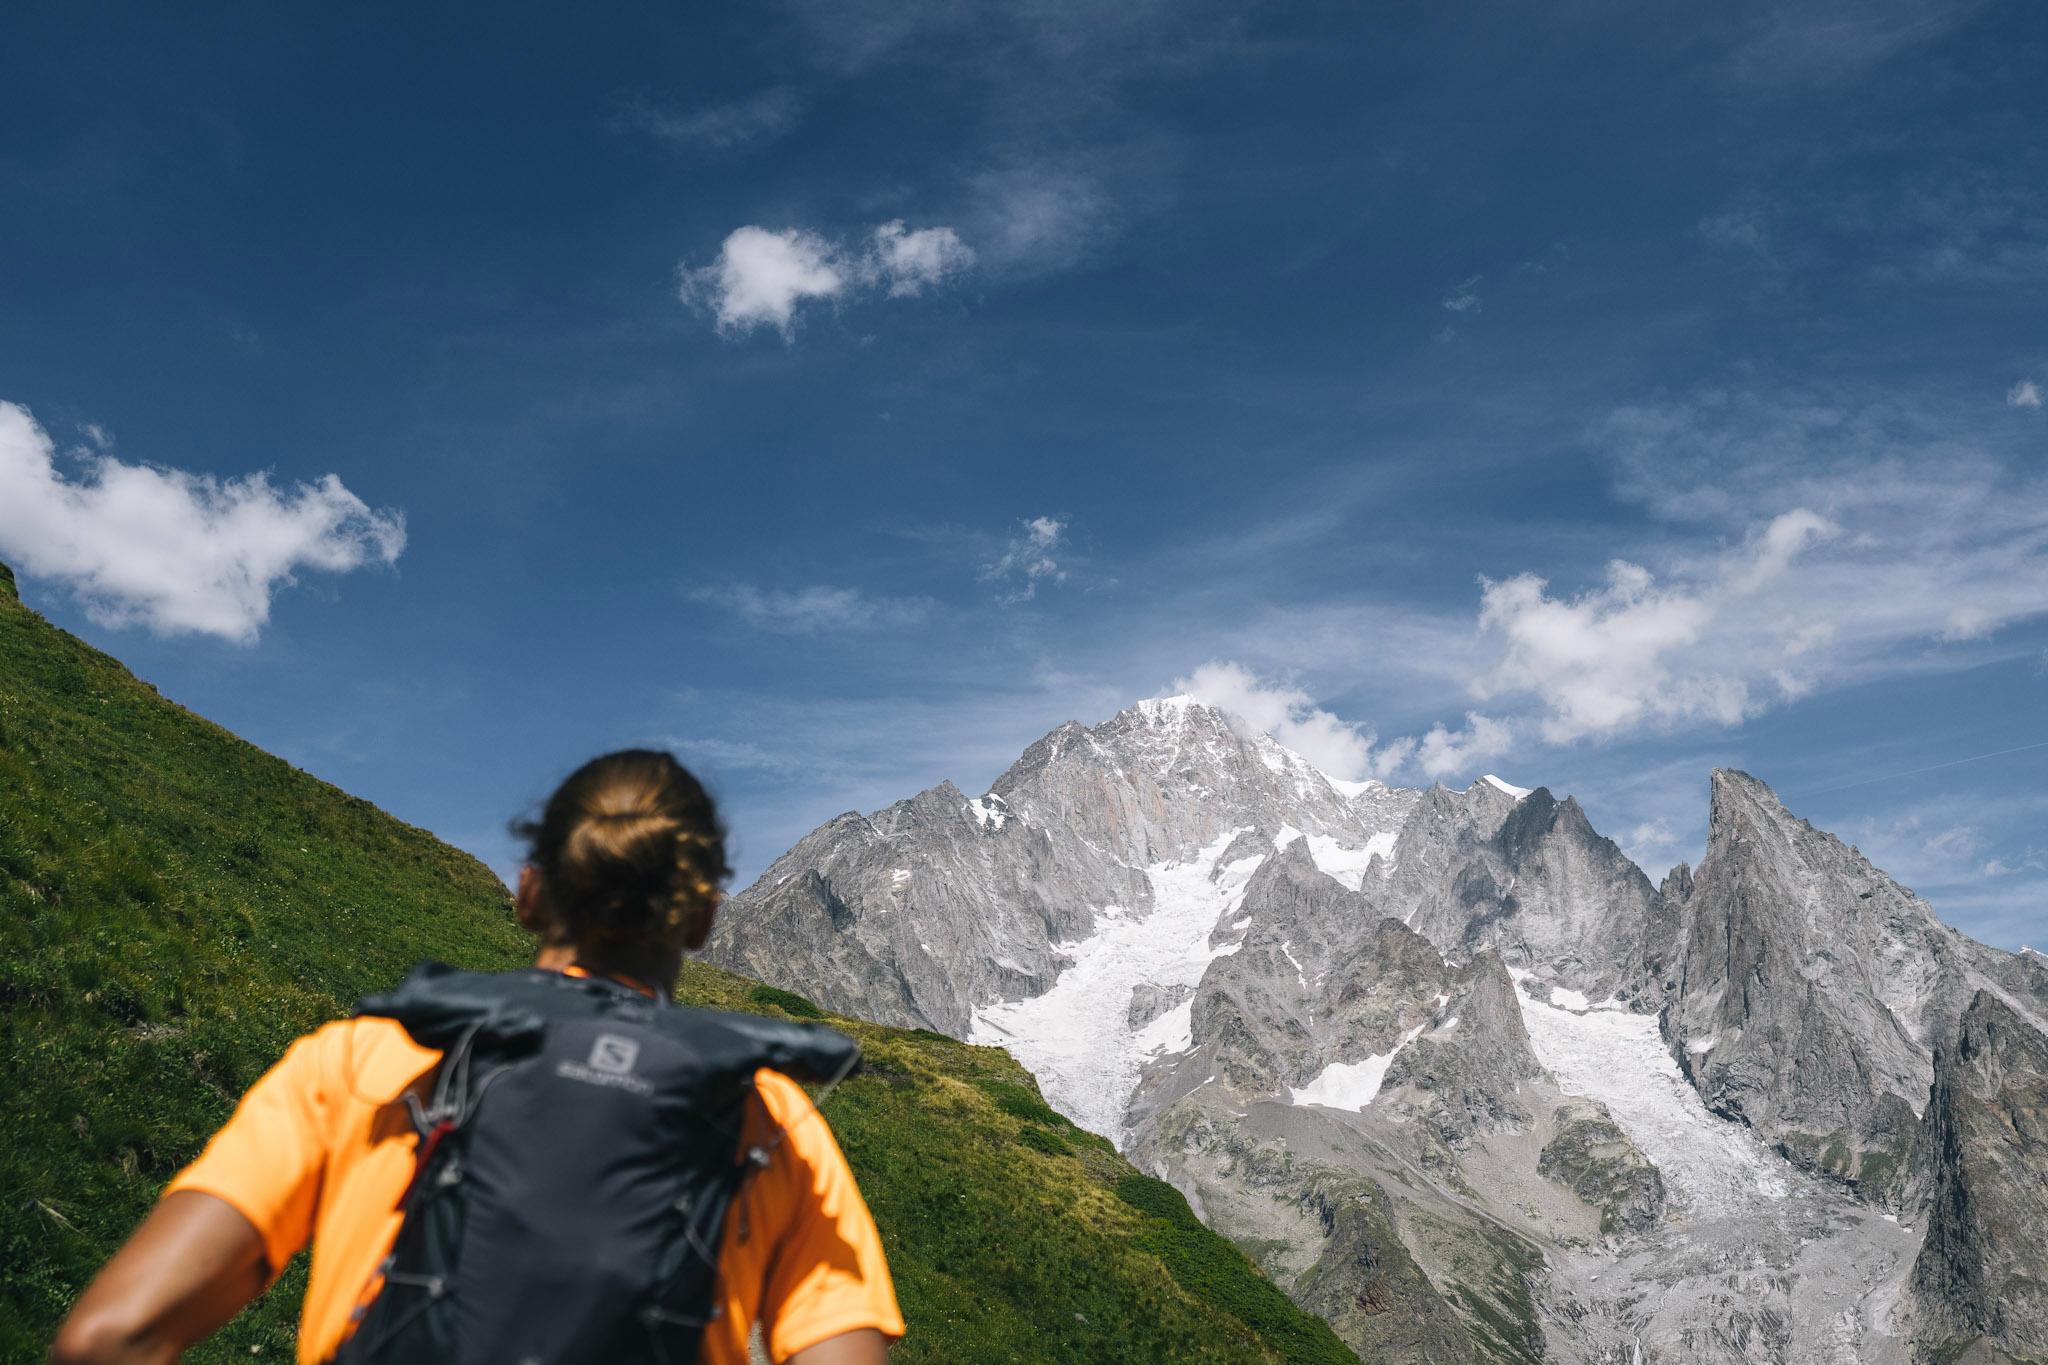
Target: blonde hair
{"type": "Point", "coordinates": [631, 854]}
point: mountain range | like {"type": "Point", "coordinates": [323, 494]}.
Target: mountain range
{"type": "Point", "coordinates": [1450, 1067]}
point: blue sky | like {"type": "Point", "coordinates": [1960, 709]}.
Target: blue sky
{"type": "Point", "coordinates": [846, 394]}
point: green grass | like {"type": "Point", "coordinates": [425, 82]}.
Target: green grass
{"type": "Point", "coordinates": [788, 1002]}
{"type": "Point", "coordinates": [176, 906]}
{"type": "Point", "coordinates": [1217, 1273]}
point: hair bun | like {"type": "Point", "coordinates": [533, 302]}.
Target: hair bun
{"type": "Point", "coordinates": [631, 852]}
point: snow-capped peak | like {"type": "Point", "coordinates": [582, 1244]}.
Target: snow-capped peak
{"type": "Point", "coordinates": [1510, 788]}
{"type": "Point", "coordinates": [1162, 709]}
{"type": "Point", "coordinates": [1344, 787]}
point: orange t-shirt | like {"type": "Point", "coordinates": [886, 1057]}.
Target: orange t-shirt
{"type": "Point", "coordinates": [321, 1148]}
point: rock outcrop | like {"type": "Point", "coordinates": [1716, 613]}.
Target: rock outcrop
{"type": "Point", "coordinates": [1317, 976]}
{"type": "Point", "coordinates": [1981, 1279]}
{"type": "Point", "coordinates": [1545, 890]}
{"type": "Point", "coordinates": [1811, 990]}
{"type": "Point", "coordinates": [1464, 1076]}
{"type": "Point", "coordinates": [1590, 1156]}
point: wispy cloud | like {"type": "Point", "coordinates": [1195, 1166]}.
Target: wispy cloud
{"type": "Point", "coordinates": [1028, 560]}
{"type": "Point", "coordinates": [1461, 302]}
{"type": "Point", "coordinates": [1649, 843]}
{"type": "Point", "coordinates": [2025, 394]}
{"type": "Point", "coordinates": [1984, 225]}
{"type": "Point", "coordinates": [176, 552]}
{"type": "Point", "coordinates": [1039, 216]}
{"type": "Point", "coordinates": [1942, 846]}
{"type": "Point", "coordinates": [815, 610]}
{"type": "Point", "coordinates": [1064, 155]}
{"type": "Point", "coordinates": [1736, 229]}
{"type": "Point", "coordinates": [1464, 296]}
{"type": "Point", "coordinates": [756, 120]}
{"type": "Point", "coordinates": [1808, 44]}
{"type": "Point", "coordinates": [715, 754]}
{"type": "Point", "coordinates": [762, 276]}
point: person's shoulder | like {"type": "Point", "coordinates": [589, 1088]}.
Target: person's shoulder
{"type": "Point", "coordinates": [358, 1032]}
{"type": "Point", "coordinates": [785, 1100]}
{"type": "Point", "coordinates": [794, 1121]}
{"type": "Point", "coordinates": [374, 1058]}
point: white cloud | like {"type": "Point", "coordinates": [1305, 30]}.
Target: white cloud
{"type": "Point", "coordinates": [1600, 662]}
{"type": "Point", "coordinates": [907, 262]}
{"type": "Point", "coordinates": [756, 119]}
{"type": "Point", "coordinates": [1028, 559]}
{"type": "Point", "coordinates": [1719, 640]}
{"type": "Point", "coordinates": [2025, 394]}
{"type": "Point", "coordinates": [814, 610]}
{"type": "Point", "coordinates": [762, 276]}
{"type": "Point", "coordinates": [1634, 652]}
{"type": "Point", "coordinates": [177, 552]}
{"type": "Point", "coordinates": [1480, 740]}
{"type": "Point", "coordinates": [1291, 717]}
{"type": "Point", "coordinates": [1464, 297]}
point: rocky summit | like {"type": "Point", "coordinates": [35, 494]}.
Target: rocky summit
{"type": "Point", "coordinates": [1461, 1078]}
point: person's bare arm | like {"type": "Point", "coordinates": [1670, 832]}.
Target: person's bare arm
{"type": "Point", "coordinates": [194, 1263]}
{"type": "Point", "coordinates": [863, 1347]}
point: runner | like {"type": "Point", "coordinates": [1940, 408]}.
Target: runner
{"type": "Point", "coordinates": [624, 876]}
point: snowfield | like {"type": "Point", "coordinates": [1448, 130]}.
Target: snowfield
{"type": "Point", "coordinates": [1346, 865]}
{"type": "Point", "coordinates": [1606, 1053]}
{"type": "Point", "coordinates": [1353, 1085]}
{"type": "Point", "coordinates": [1077, 1037]}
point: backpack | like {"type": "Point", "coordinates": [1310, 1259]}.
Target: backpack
{"type": "Point", "coordinates": [575, 1166]}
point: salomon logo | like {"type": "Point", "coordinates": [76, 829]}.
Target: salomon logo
{"type": "Point", "coordinates": [614, 1054]}
{"type": "Point", "coordinates": [611, 1064]}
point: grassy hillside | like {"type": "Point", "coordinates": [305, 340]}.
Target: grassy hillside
{"type": "Point", "coordinates": [176, 906]}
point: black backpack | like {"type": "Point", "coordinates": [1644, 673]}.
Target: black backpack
{"type": "Point", "coordinates": [576, 1163]}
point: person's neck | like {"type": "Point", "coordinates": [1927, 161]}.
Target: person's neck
{"type": "Point", "coordinates": [634, 969]}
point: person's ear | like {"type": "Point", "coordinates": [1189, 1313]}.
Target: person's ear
{"type": "Point", "coordinates": [530, 901]}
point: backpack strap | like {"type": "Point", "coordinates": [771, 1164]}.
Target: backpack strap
{"type": "Point", "coordinates": [442, 1006]}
